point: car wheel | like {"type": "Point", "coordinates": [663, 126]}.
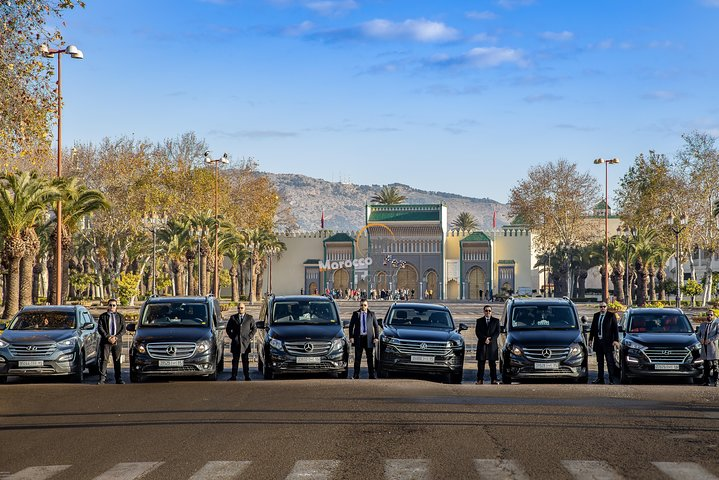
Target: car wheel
{"type": "Point", "coordinates": [135, 377]}
{"type": "Point", "coordinates": [94, 368]}
{"type": "Point", "coordinates": [259, 364]}
{"type": "Point", "coordinates": [3, 379]}
{"type": "Point", "coordinates": [623, 375]}
{"type": "Point", "coordinates": [221, 361]}
{"type": "Point", "coordinates": [79, 375]}
{"type": "Point", "coordinates": [267, 373]}
{"type": "Point", "coordinates": [344, 374]}
{"type": "Point", "coordinates": [456, 378]}
{"type": "Point", "coordinates": [506, 376]}
{"type": "Point", "coordinates": [213, 376]}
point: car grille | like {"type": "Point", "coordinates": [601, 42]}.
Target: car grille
{"type": "Point", "coordinates": [160, 350]}
{"type": "Point", "coordinates": [666, 355]}
{"type": "Point", "coordinates": [555, 354]}
{"type": "Point", "coordinates": [421, 347]}
{"type": "Point", "coordinates": [32, 350]}
{"type": "Point", "coordinates": [309, 348]}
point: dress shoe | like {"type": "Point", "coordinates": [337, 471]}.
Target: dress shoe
{"type": "Point", "coordinates": [494, 382]}
{"type": "Point", "coordinates": [247, 379]}
{"type": "Point", "coordinates": [598, 381]}
{"type": "Point", "coordinates": [232, 379]}
{"type": "Point", "coordinates": [101, 382]}
{"type": "Point", "coordinates": [120, 382]}
{"type": "Point", "coordinates": [372, 376]}
{"type": "Point", "coordinates": [479, 382]}
{"type": "Point", "coordinates": [356, 377]}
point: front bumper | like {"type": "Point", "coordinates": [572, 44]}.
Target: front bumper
{"type": "Point", "coordinates": [392, 360]}
{"type": "Point", "coordinates": [637, 365]}
{"type": "Point", "coordinates": [283, 362]}
{"type": "Point", "coordinates": [570, 367]}
{"type": "Point", "coordinates": [60, 363]}
{"type": "Point", "coordinates": [198, 365]}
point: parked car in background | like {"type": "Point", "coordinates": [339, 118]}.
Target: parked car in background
{"type": "Point", "coordinates": [178, 336]}
{"type": "Point", "coordinates": [420, 338]}
{"type": "Point", "coordinates": [657, 342]}
{"type": "Point", "coordinates": [49, 340]}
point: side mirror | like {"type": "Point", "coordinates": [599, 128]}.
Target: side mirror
{"type": "Point", "coordinates": [345, 324]}
{"type": "Point", "coordinates": [88, 326]}
{"type": "Point", "coordinates": [583, 319]}
{"type": "Point", "coordinates": [586, 328]}
{"type": "Point", "coordinates": [696, 329]}
{"type": "Point", "coordinates": [3, 326]}
{"type": "Point", "coordinates": [222, 324]}
{"type": "Point", "coordinates": [260, 325]}
{"type": "Point", "coordinates": [620, 328]}
{"type": "Point", "coordinates": [131, 327]}
{"type": "Point", "coordinates": [502, 329]}
{"type": "Point", "coordinates": [463, 326]}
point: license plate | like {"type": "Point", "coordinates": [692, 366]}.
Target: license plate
{"type": "Point", "coordinates": [666, 367]}
{"type": "Point", "coordinates": [30, 363]}
{"type": "Point", "coordinates": [171, 363]}
{"type": "Point", "coordinates": [422, 359]}
{"type": "Point", "coordinates": [546, 366]}
{"type": "Point", "coordinates": [312, 360]}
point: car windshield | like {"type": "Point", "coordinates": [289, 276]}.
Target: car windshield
{"type": "Point", "coordinates": [420, 318]}
{"type": "Point", "coordinates": [304, 311]}
{"type": "Point", "coordinates": [174, 314]}
{"type": "Point", "coordinates": [43, 320]}
{"type": "Point", "coordinates": [658, 323]}
{"type": "Point", "coordinates": [543, 317]}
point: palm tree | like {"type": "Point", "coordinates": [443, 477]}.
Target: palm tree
{"type": "Point", "coordinates": [23, 199]}
{"type": "Point", "coordinates": [661, 256]}
{"type": "Point", "coordinates": [272, 246]}
{"type": "Point", "coordinates": [233, 244]}
{"type": "Point", "coordinates": [173, 239]}
{"type": "Point", "coordinates": [465, 221]}
{"type": "Point", "coordinates": [388, 195]}
{"type": "Point", "coordinates": [644, 252]}
{"type": "Point", "coordinates": [203, 222]}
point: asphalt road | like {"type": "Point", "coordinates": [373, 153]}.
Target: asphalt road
{"type": "Point", "coordinates": [370, 429]}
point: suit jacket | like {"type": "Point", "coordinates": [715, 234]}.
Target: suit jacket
{"type": "Point", "coordinates": [356, 328]}
{"type": "Point", "coordinates": [483, 331]}
{"type": "Point", "coordinates": [610, 333]}
{"type": "Point", "coordinates": [241, 333]}
{"type": "Point", "coordinates": [711, 330]}
{"type": "Point", "coordinates": [103, 327]}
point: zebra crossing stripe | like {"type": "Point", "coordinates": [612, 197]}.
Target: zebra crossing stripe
{"type": "Point", "coordinates": [220, 470]}
{"type": "Point", "coordinates": [406, 469]}
{"type": "Point", "coordinates": [313, 470]}
{"type": "Point", "coordinates": [129, 471]}
{"type": "Point", "coordinates": [496, 469]}
{"type": "Point", "coordinates": [37, 473]}
{"type": "Point", "coordinates": [590, 470]}
{"type": "Point", "coordinates": [684, 471]}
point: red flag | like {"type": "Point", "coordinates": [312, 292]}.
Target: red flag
{"type": "Point", "coordinates": [322, 221]}
{"type": "Point", "coordinates": [494, 219]}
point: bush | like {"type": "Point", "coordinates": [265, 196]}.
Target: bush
{"type": "Point", "coordinates": [657, 304]}
{"type": "Point", "coordinates": [616, 306]}
{"type": "Point", "coordinates": [692, 288]}
{"type": "Point", "coordinates": [128, 287]}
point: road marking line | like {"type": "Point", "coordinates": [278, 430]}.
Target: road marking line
{"type": "Point", "coordinates": [313, 469]}
{"type": "Point", "coordinates": [684, 471]}
{"type": "Point", "coordinates": [220, 470]}
{"type": "Point", "coordinates": [496, 469]}
{"type": "Point", "coordinates": [37, 473]}
{"type": "Point", "coordinates": [591, 470]}
{"type": "Point", "coordinates": [129, 471]}
{"type": "Point", "coordinates": [406, 469]}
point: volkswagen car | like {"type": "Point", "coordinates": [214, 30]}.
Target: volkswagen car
{"type": "Point", "coordinates": [543, 338]}
{"type": "Point", "coordinates": [420, 338]}
{"type": "Point", "coordinates": [178, 336]}
{"type": "Point", "coordinates": [657, 342]}
{"type": "Point", "coordinates": [49, 340]}
{"type": "Point", "coordinates": [301, 334]}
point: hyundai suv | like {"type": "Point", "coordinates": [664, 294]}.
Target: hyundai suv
{"type": "Point", "coordinates": [49, 340]}
{"type": "Point", "coordinates": [178, 336]}
{"type": "Point", "coordinates": [301, 334]}
{"type": "Point", "coordinates": [542, 338]}
{"type": "Point", "coordinates": [657, 342]}
{"type": "Point", "coordinates": [420, 338]}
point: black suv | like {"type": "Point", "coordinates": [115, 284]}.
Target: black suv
{"type": "Point", "coordinates": [657, 342]}
{"type": "Point", "coordinates": [543, 338]}
{"type": "Point", "coordinates": [52, 340]}
{"type": "Point", "coordinates": [420, 338]}
{"type": "Point", "coordinates": [301, 334]}
{"type": "Point", "coordinates": [178, 336]}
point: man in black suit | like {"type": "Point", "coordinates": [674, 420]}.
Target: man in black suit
{"type": "Point", "coordinates": [487, 331]}
{"type": "Point", "coordinates": [241, 329]}
{"type": "Point", "coordinates": [111, 327]}
{"type": "Point", "coordinates": [364, 331]}
{"type": "Point", "coordinates": [605, 335]}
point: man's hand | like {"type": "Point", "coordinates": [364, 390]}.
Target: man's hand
{"type": "Point", "coordinates": [374, 340]}
{"type": "Point", "coordinates": [486, 341]}
{"type": "Point", "coordinates": [352, 342]}
{"type": "Point", "coordinates": [616, 344]}
{"type": "Point", "coordinates": [112, 339]}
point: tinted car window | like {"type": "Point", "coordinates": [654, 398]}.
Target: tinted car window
{"type": "Point", "coordinates": [174, 314]}
{"type": "Point", "coordinates": [659, 323]}
{"type": "Point", "coordinates": [420, 318]}
{"type": "Point", "coordinates": [39, 320]}
{"type": "Point", "coordinates": [304, 311]}
{"type": "Point", "coordinates": [543, 317]}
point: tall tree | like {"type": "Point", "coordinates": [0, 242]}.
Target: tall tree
{"type": "Point", "coordinates": [465, 221]}
{"type": "Point", "coordinates": [388, 195]}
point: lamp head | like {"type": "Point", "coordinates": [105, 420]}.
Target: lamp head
{"type": "Point", "coordinates": [683, 219]}
{"type": "Point", "coordinates": [225, 158]}
{"type": "Point", "coordinates": [598, 161]}
{"type": "Point", "coordinates": [613, 161]}
{"type": "Point", "coordinates": [45, 51]}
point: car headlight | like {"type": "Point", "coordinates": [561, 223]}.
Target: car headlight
{"type": "Point", "coordinates": [575, 349]}
{"type": "Point", "coordinates": [70, 342]}
{"type": "Point", "coordinates": [3, 343]}
{"type": "Point", "coordinates": [140, 348]}
{"type": "Point", "coordinates": [203, 346]}
{"type": "Point", "coordinates": [337, 344]}
{"type": "Point", "coordinates": [455, 343]}
{"type": "Point", "coordinates": [696, 346]}
{"type": "Point", "coordinates": [515, 350]}
{"type": "Point", "coordinates": [276, 344]}
{"type": "Point", "coordinates": [634, 345]}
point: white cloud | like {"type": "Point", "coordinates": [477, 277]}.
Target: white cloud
{"type": "Point", "coordinates": [421, 30]}
{"type": "Point", "coordinates": [557, 36]}
{"type": "Point", "coordinates": [481, 15]}
{"type": "Point", "coordinates": [332, 7]}
{"type": "Point", "coordinates": [710, 3]}
{"type": "Point", "coordinates": [298, 30]}
{"type": "Point", "coordinates": [483, 38]}
{"type": "Point", "coordinates": [483, 57]}
{"type": "Point", "coordinates": [509, 4]}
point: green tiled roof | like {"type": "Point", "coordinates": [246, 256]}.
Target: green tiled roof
{"type": "Point", "coordinates": [506, 262]}
{"type": "Point", "coordinates": [339, 237]}
{"type": "Point", "coordinates": [476, 237]}
{"type": "Point", "coordinates": [405, 213]}
{"type": "Point", "coordinates": [312, 261]}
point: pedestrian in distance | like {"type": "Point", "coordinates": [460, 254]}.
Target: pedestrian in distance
{"type": "Point", "coordinates": [241, 329]}
{"type": "Point", "coordinates": [605, 336]}
{"type": "Point", "coordinates": [364, 331]}
{"type": "Point", "coordinates": [708, 335]}
{"type": "Point", "coordinates": [111, 327]}
{"type": "Point", "coordinates": [487, 331]}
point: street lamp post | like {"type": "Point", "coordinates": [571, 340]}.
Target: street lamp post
{"type": "Point", "coordinates": [611, 161]}
{"type": "Point", "coordinates": [47, 52]}
{"type": "Point", "coordinates": [198, 233]}
{"type": "Point", "coordinates": [625, 233]}
{"type": "Point", "coordinates": [225, 160]}
{"type": "Point", "coordinates": [396, 266]}
{"type": "Point", "coordinates": [152, 222]}
{"type": "Point", "coordinates": [677, 228]}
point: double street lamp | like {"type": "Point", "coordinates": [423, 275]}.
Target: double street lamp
{"type": "Point", "coordinates": [224, 159]}
{"type": "Point", "coordinates": [625, 232]}
{"type": "Point", "coordinates": [611, 161]}
{"type": "Point", "coordinates": [396, 265]}
{"type": "Point", "coordinates": [75, 53]}
{"type": "Point", "coordinates": [152, 223]}
{"type": "Point", "coordinates": [677, 227]}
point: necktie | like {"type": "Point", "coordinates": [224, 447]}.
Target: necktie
{"type": "Point", "coordinates": [488, 322]}
{"type": "Point", "coordinates": [601, 325]}
{"type": "Point", "coordinates": [242, 319]}
{"type": "Point", "coordinates": [364, 324]}
{"type": "Point", "coordinates": [112, 324]}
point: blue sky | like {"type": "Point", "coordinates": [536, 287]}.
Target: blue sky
{"type": "Point", "coordinates": [460, 96]}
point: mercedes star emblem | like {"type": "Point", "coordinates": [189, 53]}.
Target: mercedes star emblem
{"type": "Point", "coordinates": [546, 353]}
{"type": "Point", "coordinates": [309, 347]}
{"type": "Point", "coordinates": [171, 350]}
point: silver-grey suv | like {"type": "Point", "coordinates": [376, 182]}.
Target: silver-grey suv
{"type": "Point", "coordinates": [49, 340]}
